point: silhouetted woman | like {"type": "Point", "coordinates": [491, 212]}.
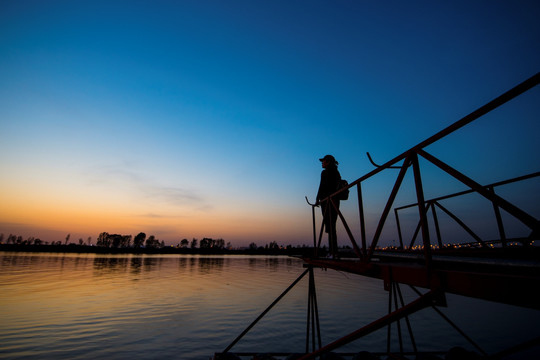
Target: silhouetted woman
{"type": "Point", "coordinates": [330, 180]}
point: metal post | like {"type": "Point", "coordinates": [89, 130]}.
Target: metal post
{"type": "Point", "coordinates": [313, 326]}
{"type": "Point", "coordinates": [422, 209]}
{"type": "Point", "coordinates": [499, 220]}
{"type": "Point", "coordinates": [389, 203]}
{"type": "Point", "coordinates": [416, 231]}
{"type": "Point", "coordinates": [398, 322]}
{"type": "Point", "coordinates": [348, 230]}
{"type": "Point", "coordinates": [398, 229]}
{"type": "Point", "coordinates": [323, 225]}
{"type": "Point", "coordinates": [436, 222]}
{"type": "Point", "coordinates": [308, 321]}
{"type": "Point", "coordinates": [314, 231]}
{"type": "Point", "coordinates": [362, 219]}
{"type": "Point", "coordinates": [413, 342]}
{"type": "Point", "coordinates": [389, 329]}
{"type": "Point", "coordinates": [422, 302]}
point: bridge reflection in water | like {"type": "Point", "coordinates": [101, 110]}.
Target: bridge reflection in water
{"type": "Point", "coordinates": [504, 270]}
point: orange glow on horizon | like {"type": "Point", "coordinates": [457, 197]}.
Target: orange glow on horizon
{"type": "Point", "coordinates": [84, 217]}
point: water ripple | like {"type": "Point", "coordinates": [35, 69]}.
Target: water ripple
{"type": "Point", "coordinates": [68, 306]}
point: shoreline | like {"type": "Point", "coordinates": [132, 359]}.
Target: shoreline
{"type": "Point", "coordinates": [83, 249]}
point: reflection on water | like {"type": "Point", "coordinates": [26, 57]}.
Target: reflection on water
{"type": "Point", "coordinates": [138, 264]}
{"type": "Point", "coordinates": [97, 306]}
{"type": "Point", "coordinates": [87, 306]}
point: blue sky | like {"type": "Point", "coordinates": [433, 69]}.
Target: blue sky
{"type": "Point", "coordinates": [207, 118]}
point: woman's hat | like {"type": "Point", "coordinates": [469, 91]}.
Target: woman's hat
{"type": "Point", "coordinates": [329, 158]}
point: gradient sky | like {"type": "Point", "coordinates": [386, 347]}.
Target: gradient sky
{"type": "Point", "coordinates": [191, 119]}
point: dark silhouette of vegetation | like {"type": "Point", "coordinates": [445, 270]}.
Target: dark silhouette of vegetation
{"type": "Point", "coordinates": [138, 241]}
{"type": "Point", "coordinates": [207, 243]}
{"type": "Point", "coordinates": [184, 243]}
{"type": "Point", "coordinates": [117, 243]}
{"type": "Point", "coordinates": [113, 240]}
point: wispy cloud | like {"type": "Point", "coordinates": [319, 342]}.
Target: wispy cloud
{"type": "Point", "coordinates": [172, 195]}
{"type": "Point", "coordinates": [153, 216]}
{"type": "Point", "coordinates": [124, 176]}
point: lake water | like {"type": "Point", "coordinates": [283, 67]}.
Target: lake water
{"type": "Point", "coordinates": [88, 306]}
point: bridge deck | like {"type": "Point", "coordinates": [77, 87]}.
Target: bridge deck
{"type": "Point", "coordinates": [504, 280]}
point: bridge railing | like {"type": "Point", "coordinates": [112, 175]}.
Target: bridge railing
{"type": "Point", "coordinates": [410, 159]}
{"type": "Point", "coordinates": [432, 205]}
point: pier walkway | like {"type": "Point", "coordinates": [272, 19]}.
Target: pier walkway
{"type": "Point", "coordinates": [505, 269]}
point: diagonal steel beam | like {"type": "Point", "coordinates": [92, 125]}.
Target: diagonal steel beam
{"type": "Point", "coordinates": [521, 215]}
{"type": "Point", "coordinates": [418, 304]}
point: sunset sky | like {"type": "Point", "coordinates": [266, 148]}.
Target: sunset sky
{"type": "Point", "coordinates": [191, 119]}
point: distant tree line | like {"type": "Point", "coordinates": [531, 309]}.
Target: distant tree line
{"type": "Point", "coordinates": [19, 240]}
{"type": "Point", "coordinates": [118, 241]}
{"type": "Point", "coordinates": [141, 241]}
{"type": "Point", "coordinates": [204, 243]}
{"type": "Point", "coordinates": [106, 242]}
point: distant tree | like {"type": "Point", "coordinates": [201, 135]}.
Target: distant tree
{"type": "Point", "coordinates": [67, 238]}
{"type": "Point", "coordinates": [103, 240]}
{"type": "Point", "coordinates": [126, 240]}
{"type": "Point", "coordinates": [115, 240]}
{"type": "Point", "coordinates": [138, 241]}
{"type": "Point", "coordinates": [194, 243]}
{"type": "Point", "coordinates": [205, 243]}
{"type": "Point", "coordinates": [81, 241]}
{"type": "Point", "coordinates": [89, 241]}
{"type": "Point", "coordinates": [152, 242]}
{"type": "Point", "coordinates": [184, 243]}
{"type": "Point", "coordinates": [219, 243]}
{"type": "Point", "coordinates": [252, 246]}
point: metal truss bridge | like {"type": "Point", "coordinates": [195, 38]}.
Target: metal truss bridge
{"type": "Point", "coordinates": [503, 270]}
